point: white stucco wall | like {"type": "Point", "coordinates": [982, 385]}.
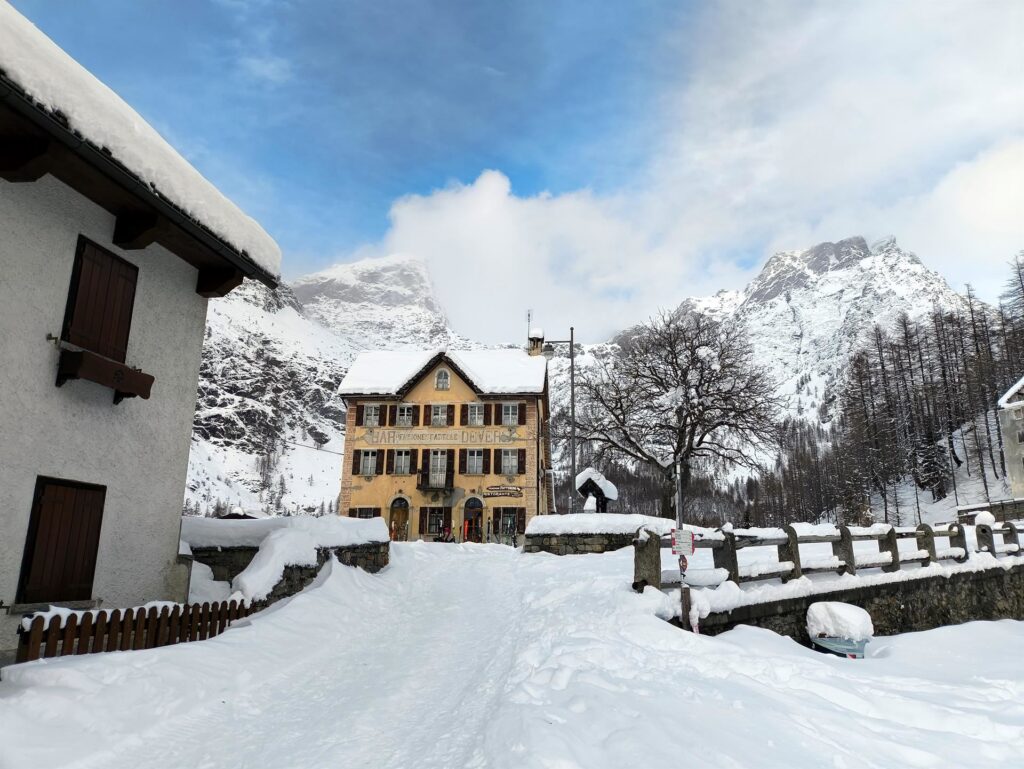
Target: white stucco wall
{"type": "Point", "coordinates": [1013, 450]}
{"type": "Point", "coordinates": [139, 448]}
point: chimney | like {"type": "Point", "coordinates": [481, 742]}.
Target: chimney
{"type": "Point", "coordinates": [535, 344]}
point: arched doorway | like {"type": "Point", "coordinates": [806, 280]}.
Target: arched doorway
{"type": "Point", "coordinates": [398, 519]}
{"type": "Point", "coordinates": [473, 520]}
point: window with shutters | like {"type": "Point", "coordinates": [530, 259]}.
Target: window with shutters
{"type": "Point", "coordinates": [509, 461]}
{"type": "Point", "coordinates": [510, 413]}
{"type": "Point", "coordinates": [368, 462]}
{"type": "Point", "coordinates": [439, 415]}
{"type": "Point", "coordinates": [63, 537]}
{"type": "Point", "coordinates": [435, 520]}
{"type": "Point", "coordinates": [404, 416]}
{"type": "Point", "coordinates": [366, 512]}
{"type": "Point", "coordinates": [403, 461]}
{"type": "Point", "coordinates": [476, 414]}
{"type": "Point", "coordinates": [371, 416]}
{"type": "Point", "coordinates": [475, 461]}
{"type": "Point", "coordinates": [438, 468]}
{"type": "Point", "coordinates": [443, 380]}
{"type": "Point", "coordinates": [98, 316]}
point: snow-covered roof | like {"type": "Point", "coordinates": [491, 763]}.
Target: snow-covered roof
{"type": "Point", "coordinates": [606, 486]}
{"type": "Point", "coordinates": [536, 333]}
{"type": "Point", "coordinates": [1004, 402]}
{"type": "Point", "coordinates": [493, 372]}
{"type": "Point", "coordinates": [56, 82]}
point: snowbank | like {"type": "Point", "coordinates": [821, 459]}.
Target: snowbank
{"type": "Point", "coordinates": [57, 82]}
{"type": "Point", "coordinates": [839, 620]}
{"type": "Point", "coordinates": [327, 531]}
{"type": "Point", "coordinates": [598, 523]}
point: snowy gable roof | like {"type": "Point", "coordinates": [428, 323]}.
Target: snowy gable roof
{"type": "Point", "coordinates": [492, 372]}
{"type": "Point", "coordinates": [590, 474]}
{"type": "Point", "coordinates": [58, 84]}
{"type": "Point", "coordinates": [1008, 398]}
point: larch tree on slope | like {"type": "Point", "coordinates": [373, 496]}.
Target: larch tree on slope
{"type": "Point", "coordinates": [683, 391]}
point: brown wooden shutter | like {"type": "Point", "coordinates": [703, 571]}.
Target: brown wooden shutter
{"type": "Point", "coordinates": [462, 461]}
{"type": "Point", "coordinates": [424, 514]}
{"type": "Point", "coordinates": [390, 465]}
{"type": "Point", "coordinates": [100, 301]}
{"type": "Point", "coordinates": [451, 414]}
{"type": "Point", "coordinates": [522, 414]}
{"type": "Point", "coordinates": [520, 520]}
{"type": "Point", "coordinates": [376, 512]}
{"type": "Point", "coordinates": [464, 414]}
{"type": "Point", "coordinates": [359, 414]}
{"type": "Point", "coordinates": [497, 413]}
{"type": "Point", "coordinates": [356, 456]}
{"type": "Point", "coordinates": [392, 415]}
{"type": "Point", "coordinates": [487, 461]}
{"type": "Point", "coordinates": [522, 461]}
{"type": "Point", "coordinates": [416, 416]}
{"type": "Point", "coordinates": [497, 462]}
{"type": "Point", "coordinates": [63, 537]}
{"type": "Point", "coordinates": [487, 415]}
{"type": "Point", "coordinates": [414, 454]}
{"type": "Point", "coordinates": [351, 512]}
{"type": "Point", "coordinates": [379, 469]}
{"type": "Point", "coordinates": [449, 470]}
{"type": "Point", "coordinates": [447, 511]}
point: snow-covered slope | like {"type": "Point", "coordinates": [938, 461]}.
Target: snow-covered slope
{"type": "Point", "coordinates": [807, 311]}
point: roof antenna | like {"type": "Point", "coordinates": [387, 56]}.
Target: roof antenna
{"type": "Point", "coordinates": [529, 323]}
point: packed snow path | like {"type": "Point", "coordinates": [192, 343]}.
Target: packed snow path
{"type": "Point", "coordinates": [480, 656]}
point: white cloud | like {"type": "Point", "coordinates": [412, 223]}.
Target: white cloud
{"type": "Point", "coordinates": [790, 123]}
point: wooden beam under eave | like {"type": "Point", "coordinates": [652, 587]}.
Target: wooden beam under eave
{"type": "Point", "coordinates": [213, 282]}
{"type": "Point", "coordinates": [135, 230]}
{"type": "Point", "coordinates": [24, 158]}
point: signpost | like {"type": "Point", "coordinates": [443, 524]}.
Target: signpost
{"type": "Point", "coordinates": [682, 545]}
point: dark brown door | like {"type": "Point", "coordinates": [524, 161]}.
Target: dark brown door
{"type": "Point", "coordinates": [63, 536]}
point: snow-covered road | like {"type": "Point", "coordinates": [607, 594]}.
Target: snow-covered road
{"type": "Point", "coordinates": [479, 656]}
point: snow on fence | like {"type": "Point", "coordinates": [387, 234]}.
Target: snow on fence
{"type": "Point", "coordinates": [1000, 539]}
{"type": "Point", "coordinates": [61, 633]}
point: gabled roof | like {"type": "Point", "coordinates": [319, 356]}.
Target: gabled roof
{"type": "Point", "coordinates": [488, 372]}
{"type": "Point", "coordinates": [1004, 402]}
{"type": "Point", "coordinates": [62, 120]}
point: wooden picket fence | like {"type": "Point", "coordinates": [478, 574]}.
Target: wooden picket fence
{"type": "Point", "coordinates": [1000, 539]}
{"type": "Point", "coordinates": [91, 632]}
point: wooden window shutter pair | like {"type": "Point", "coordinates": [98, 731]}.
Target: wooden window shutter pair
{"type": "Point", "coordinates": [98, 316]}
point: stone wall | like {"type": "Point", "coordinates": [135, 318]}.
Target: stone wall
{"type": "Point", "coordinates": [895, 607]}
{"type": "Point", "coordinates": [226, 563]}
{"type": "Point", "coordinates": [575, 544]}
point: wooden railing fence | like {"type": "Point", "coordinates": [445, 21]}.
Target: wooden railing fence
{"type": "Point", "coordinates": [91, 632]}
{"type": "Point", "coordinates": [1000, 539]}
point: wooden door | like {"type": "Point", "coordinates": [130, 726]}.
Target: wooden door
{"type": "Point", "coordinates": [63, 537]}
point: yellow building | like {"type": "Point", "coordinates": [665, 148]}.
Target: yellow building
{"type": "Point", "coordinates": [444, 443]}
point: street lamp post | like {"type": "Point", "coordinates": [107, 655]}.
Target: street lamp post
{"type": "Point", "coordinates": [549, 353]}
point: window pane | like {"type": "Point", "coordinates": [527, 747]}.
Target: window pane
{"type": "Point", "coordinates": [476, 414]}
{"type": "Point", "coordinates": [371, 416]}
{"type": "Point", "coordinates": [439, 416]}
{"type": "Point", "coordinates": [405, 416]}
{"type": "Point", "coordinates": [509, 461]}
{"type": "Point", "coordinates": [368, 463]}
{"type": "Point", "coordinates": [402, 462]}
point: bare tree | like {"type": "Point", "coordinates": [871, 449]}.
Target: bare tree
{"type": "Point", "coordinates": [683, 391]}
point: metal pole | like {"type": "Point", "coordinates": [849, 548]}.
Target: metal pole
{"type": "Point", "coordinates": [572, 414]}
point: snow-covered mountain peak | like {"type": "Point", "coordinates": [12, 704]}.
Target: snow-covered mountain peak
{"type": "Point", "coordinates": [789, 270]}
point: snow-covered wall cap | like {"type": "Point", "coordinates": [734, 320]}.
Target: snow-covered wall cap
{"type": "Point", "coordinates": [536, 333]}
{"type": "Point", "coordinates": [1004, 402]}
{"type": "Point", "coordinates": [494, 372]}
{"type": "Point", "coordinates": [607, 487]}
{"type": "Point", "coordinates": [57, 82]}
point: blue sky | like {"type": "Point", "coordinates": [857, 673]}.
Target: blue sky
{"type": "Point", "coordinates": [595, 160]}
{"type": "Point", "coordinates": [315, 116]}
